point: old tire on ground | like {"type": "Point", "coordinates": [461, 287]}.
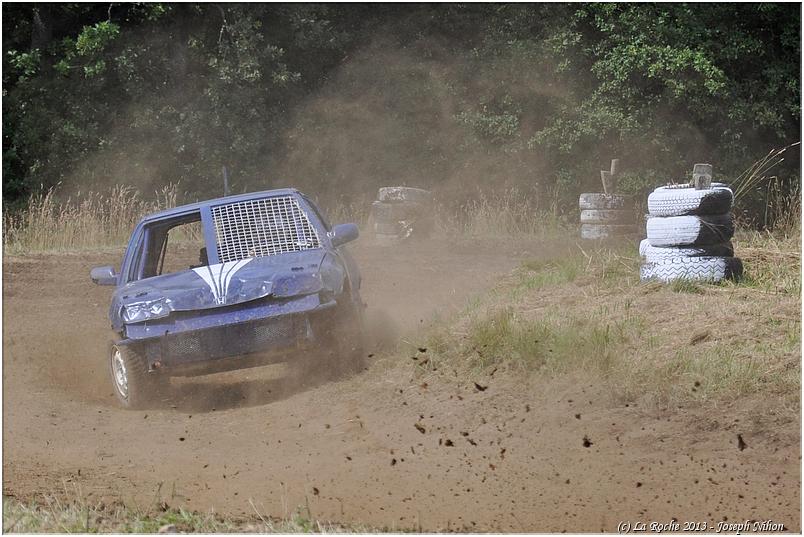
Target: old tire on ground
{"type": "Point", "coordinates": [655, 253]}
{"type": "Point", "coordinates": [689, 201]}
{"type": "Point", "coordinates": [133, 385]}
{"type": "Point", "coordinates": [386, 239]}
{"type": "Point", "coordinates": [690, 230]}
{"type": "Point", "coordinates": [606, 216]}
{"type": "Point", "coordinates": [692, 268]}
{"type": "Point", "coordinates": [387, 228]}
{"type": "Point", "coordinates": [404, 193]}
{"type": "Point", "coordinates": [392, 212]}
{"type": "Point", "coordinates": [597, 200]}
{"type": "Point", "coordinates": [605, 231]}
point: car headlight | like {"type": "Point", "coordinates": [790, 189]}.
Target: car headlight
{"type": "Point", "coordinates": [146, 310]}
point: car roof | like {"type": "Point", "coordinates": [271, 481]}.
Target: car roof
{"type": "Point", "coordinates": [190, 207]}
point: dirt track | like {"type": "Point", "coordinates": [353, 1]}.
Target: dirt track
{"type": "Point", "coordinates": [510, 458]}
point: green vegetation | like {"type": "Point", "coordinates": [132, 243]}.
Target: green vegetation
{"type": "Point", "coordinates": [588, 314]}
{"type": "Point", "coordinates": [76, 515]}
{"type": "Point", "coordinates": [340, 99]}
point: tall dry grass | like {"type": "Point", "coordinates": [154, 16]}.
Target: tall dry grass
{"type": "Point", "coordinates": [507, 213]}
{"type": "Point", "coordinates": [97, 219]}
{"type": "Point", "coordinates": [85, 221]}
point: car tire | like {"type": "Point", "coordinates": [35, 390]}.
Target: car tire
{"type": "Point", "coordinates": [393, 212]}
{"type": "Point", "coordinates": [605, 231]}
{"type": "Point", "coordinates": [341, 347]}
{"type": "Point", "coordinates": [689, 201]}
{"type": "Point", "coordinates": [692, 268]}
{"type": "Point", "coordinates": [597, 200]}
{"type": "Point", "coordinates": [386, 239]}
{"type": "Point", "coordinates": [606, 216]}
{"type": "Point", "coordinates": [690, 230]}
{"type": "Point", "coordinates": [655, 253]}
{"type": "Point", "coordinates": [133, 385]}
{"type": "Point", "coordinates": [404, 193]}
{"type": "Point", "coordinates": [387, 228]}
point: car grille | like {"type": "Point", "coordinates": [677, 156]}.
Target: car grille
{"type": "Point", "coordinates": [234, 340]}
{"type": "Point", "coordinates": [262, 227]}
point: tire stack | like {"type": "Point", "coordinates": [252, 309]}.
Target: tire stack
{"type": "Point", "coordinates": [606, 216]}
{"type": "Point", "coordinates": [402, 212]}
{"type": "Point", "coordinates": [689, 235]}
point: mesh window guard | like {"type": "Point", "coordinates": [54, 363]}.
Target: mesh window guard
{"type": "Point", "coordinates": [261, 227]}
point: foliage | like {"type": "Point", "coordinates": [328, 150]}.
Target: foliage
{"type": "Point", "coordinates": [342, 98]}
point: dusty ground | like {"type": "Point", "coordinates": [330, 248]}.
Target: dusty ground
{"type": "Point", "coordinates": [509, 458]}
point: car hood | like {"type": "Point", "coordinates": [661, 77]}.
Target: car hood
{"type": "Point", "coordinates": [235, 282]}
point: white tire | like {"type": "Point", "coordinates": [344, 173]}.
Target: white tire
{"type": "Point", "coordinates": [688, 185]}
{"type": "Point", "coordinates": [689, 201]}
{"type": "Point", "coordinates": [404, 193]}
{"type": "Point", "coordinates": [597, 200]}
{"type": "Point", "coordinates": [605, 231]}
{"type": "Point", "coordinates": [654, 253]}
{"type": "Point", "coordinates": [692, 268]}
{"type": "Point", "coordinates": [606, 216]}
{"type": "Point", "coordinates": [689, 230]}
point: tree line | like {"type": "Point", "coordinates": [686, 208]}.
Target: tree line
{"type": "Point", "coordinates": [339, 99]}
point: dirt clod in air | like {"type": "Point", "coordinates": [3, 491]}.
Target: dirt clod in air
{"type": "Point", "coordinates": [741, 445]}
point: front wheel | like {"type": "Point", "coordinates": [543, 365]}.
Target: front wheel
{"type": "Point", "coordinates": [340, 349]}
{"type": "Point", "coordinates": [133, 385]}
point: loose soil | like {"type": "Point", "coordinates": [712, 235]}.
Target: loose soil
{"type": "Point", "coordinates": [388, 448]}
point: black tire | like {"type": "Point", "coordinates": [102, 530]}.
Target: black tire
{"type": "Point", "coordinates": [655, 253]}
{"type": "Point", "coordinates": [690, 230]}
{"type": "Point", "coordinates": [341, 349]}
{"type": "Point", "coordinates": [710, 269]}
{"type": "Point", "coordinates": [597, 200]}
{"type": "Point", "coordinates": [404, 193]}
{"type": "Point", "coordinates": [606, 216]}
{"type": "Point", "coordinates": [606, 231]}
{"type": "Point", "coordinates": [137, 388]}
{"type": "Point", "coordinates": [689, 201]}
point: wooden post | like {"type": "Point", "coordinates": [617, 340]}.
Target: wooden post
{"type": "Point", "coordinates": [609, 178]}
{"type": "Point", "coordinates": [702, 176]}
{"type": "Point", "coordinates": [615, 167]}
{"type": "Point", "coordinates": [608, 183]}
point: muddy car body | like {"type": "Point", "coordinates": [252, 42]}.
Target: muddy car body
{"type": "Point", "coordinates": [273, 279]}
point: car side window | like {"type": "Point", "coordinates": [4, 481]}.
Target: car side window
{"type": "Point", "coordinates": [183, 248]}
{"type": "Point", "coordinates": [169, 246]}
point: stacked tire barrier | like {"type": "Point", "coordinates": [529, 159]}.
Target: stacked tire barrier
{"type": "Point", "coordinates": [402, 212]}
{"type": "Point", "coordinates": [689, 235]}
{"type": "Point", "coordinates": [606, 216]}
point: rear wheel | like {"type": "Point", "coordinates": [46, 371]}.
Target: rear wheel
{"type": "Point", "coordinates": [133, 385]}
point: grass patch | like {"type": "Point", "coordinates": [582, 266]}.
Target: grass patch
{"type": "Point", "coordinates": [78, 516]}
{"type": "Point", "coordinates": [684, 341]}
{"type": "Point", "coordinates": [552, 343]}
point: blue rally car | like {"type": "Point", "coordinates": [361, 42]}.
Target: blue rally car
{"type": "Point", "coordinates": [267, 280]}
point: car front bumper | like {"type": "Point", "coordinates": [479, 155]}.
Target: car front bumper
{"type": "Point", "coordinates": [224, 339]}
